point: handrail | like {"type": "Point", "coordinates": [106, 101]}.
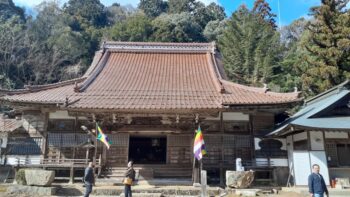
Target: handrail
{"type": "Point", "coordinates": [249, 164]}
{"type": "Point", "coordinates": [47, 161]}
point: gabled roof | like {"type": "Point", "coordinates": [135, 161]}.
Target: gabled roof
{"type": "Point", "coordinates": [152, 76]}
{"type": "Point", "coordinates": [307, 116]}
{"type": "Point", "coordinates": [9, 125]}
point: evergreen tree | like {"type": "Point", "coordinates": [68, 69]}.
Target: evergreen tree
{"type": "Point", "coordinates": [87, 12]}
{"type": "Point", "coordinates": [327, 45]}
{"type": "Point", "coordinates": [176, 28]}
{"type": "Point", "coordinates": [178, 6]}
{"type": "Point", "coordinates": [250, 48]}
{"type": "Point", "coordinates": [214, 29]}
{"type": "Point", "coordinates": [9, 10]}
{"type": "Point", "coordinates": [137, 27]}
{"type": "Point", "coordinates": [292, 65]}
{"type": "Point", "coordinates": [263, 10]}
{"type": "Point", "coordinates": [153, 8]}
{"type": "Point", "coordinates": [204, 14]}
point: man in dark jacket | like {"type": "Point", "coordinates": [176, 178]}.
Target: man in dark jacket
{"type": "Point", "coordinates": [89, 179]}
{"type": "Point", "coordinates": [317, 185]}
{"type": "Point", "coordinates": [129, 173]}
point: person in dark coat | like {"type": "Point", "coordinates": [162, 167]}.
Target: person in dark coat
{"type": "Point", "coordinates": [89, 179]}
{"type": "Point", "coordinates": [129, 173]}
{"type": "Point", "coordinates": [317, 185]}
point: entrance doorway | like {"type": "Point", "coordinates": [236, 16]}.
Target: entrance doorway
{"type": "Point", "coordinates": [147, 150]}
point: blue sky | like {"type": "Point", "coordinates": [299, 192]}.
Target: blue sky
{"type": "Point", "coordinates": [289, 9]}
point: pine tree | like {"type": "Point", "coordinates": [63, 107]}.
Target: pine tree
{"type": "Point", "coordinates": [327, 45]}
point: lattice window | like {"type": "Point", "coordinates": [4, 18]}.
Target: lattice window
{"type": "Point", "coordinates": [68, 140]}
{"type": "Point", "coordinates": [24, 146]}
{"type": "Point", "coordinates": [331, 151]}
{"type": "Point", "coordinates": [242, 141]}
{"type": "Point", "coordinates": [54, 139]}
{"type": "Point", "coordinates": [180, 140]}
{"type": "Point", "coordinates": [119, 139]}
{"type": "Point", "coordinates": [81, 138]}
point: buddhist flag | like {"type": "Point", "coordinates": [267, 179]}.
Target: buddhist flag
{"type": "Point", "coordinates": [199, 147]}
{"type": "Point", "coordinates": [102, 137]}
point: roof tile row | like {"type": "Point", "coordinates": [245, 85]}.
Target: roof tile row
{"type": "Point", "coordinates": [148, 79]}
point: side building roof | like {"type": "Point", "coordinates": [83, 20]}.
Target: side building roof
{"type": "Point", "coordinates": [313, 114]}
{"type": "Point", "coordinates": [150, 76]}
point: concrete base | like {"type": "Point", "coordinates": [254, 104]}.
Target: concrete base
{"type": "Point", "coordinates": [144, 195]}
{"type": "Point", "coordinates": [154, 190]}
{"type": "Point", "coordinates": [305, 191]}
{"type": "Point", "coordinates": [30, 190]}
{"type": "Point", "coordinates": [247, 192]}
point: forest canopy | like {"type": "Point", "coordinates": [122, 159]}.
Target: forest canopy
{"type": "Point", "coordinates": [59, 42]}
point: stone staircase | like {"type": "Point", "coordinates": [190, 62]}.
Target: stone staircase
{"type": "Point", "coordinates": [166, 191]}
{"type": "Point", "coordinates": [148, 172]}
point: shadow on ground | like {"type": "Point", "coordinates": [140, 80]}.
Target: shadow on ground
{"type": "Point", "coordinates": [68, 191]}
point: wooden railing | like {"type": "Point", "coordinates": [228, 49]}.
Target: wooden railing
{"type": "Point", "coordinates": [61, 162]}
{"type": "Point", "coordinates": [246, 163]}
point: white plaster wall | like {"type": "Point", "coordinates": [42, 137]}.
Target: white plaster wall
{"type": "Point", "coordinates": [336, 135]}
{"type": "Point", "coordinates": [23, 159]}
{"type": "Point", "coordinates": [301, 166]}
{"type": "Point", "coordinates": [300, 136]}
{"type": "Point", "coordinates": [63, 115]}
{"type": "Point", "coordinates": [235, 116]}
{"type": "Point", "coordinates": [60, 115]}
{"type": "Point", "coordinates": [319, 157]}
{"type": "Point", "coordinates": [317, 141]}
{"type": "Point", "coordinates": [256, 143]}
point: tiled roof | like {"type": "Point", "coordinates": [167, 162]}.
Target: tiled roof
{"type": "Point", "coordinates": [152, 76]}
{"type": "Point", "coordinates": [237, 94]}
{"type": "Point", "coordinates": [9, 125]}
{"type": "Point", "coordinates": [47, 94]}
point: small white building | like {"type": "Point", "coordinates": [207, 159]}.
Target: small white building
{"type": "Point", "coordinates": [319, 134]}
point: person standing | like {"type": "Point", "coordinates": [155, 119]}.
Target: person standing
{"type": "Point", "coordinates": [317, 185]}
{"type": "Point", "coordinates": [89, 179]}
{"type": "Point", "coordinates": [129, 178]}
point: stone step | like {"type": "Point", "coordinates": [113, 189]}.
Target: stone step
{"type": "Point", "coordinates": [144, 194]}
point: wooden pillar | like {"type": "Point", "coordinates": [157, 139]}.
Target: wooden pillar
{"type": "Point", "coordinates": [95, 141]}
{"type": "Point", "coordinates": [71, 175]}
{"type": "Point", "coordinates": [252, 140]}
{"type": "Point", "coordinates": [45, 135]}
{"type": "Point", "coordinates": [74, 152]}
{"type": "Point", "coordinates": [222, 170]}
{"type": "Point", "coordinates": [87, 156]}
